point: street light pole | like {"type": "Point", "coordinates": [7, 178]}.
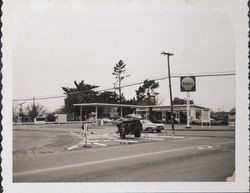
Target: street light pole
{"type": "Point", "coordinates": [170, 88]}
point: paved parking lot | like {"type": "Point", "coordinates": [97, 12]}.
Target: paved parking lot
{"type": "Point", "coordinates": [33, 139]}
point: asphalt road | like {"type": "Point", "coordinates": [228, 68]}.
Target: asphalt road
{"type": "Point", "coordinates": [189, 159]}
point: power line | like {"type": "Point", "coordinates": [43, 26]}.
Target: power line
{"type": "Point", "coordinates": [179, 75]}
{"type": "Point", "coordinates": [228, 73]}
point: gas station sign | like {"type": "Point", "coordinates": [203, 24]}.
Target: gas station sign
{"type": "Point", "coordinates": [188, 84]}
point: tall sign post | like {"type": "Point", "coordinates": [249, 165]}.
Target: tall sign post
{"type": "Point", "coordinates": [188, 84]}
{"type": "Point", "coordinates": [188, 110]}
{"type": "Point", "coordinates": [170, 88]}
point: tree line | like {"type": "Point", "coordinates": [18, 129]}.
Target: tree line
{"type": "Point", "coordinates": [83, 92]}
{"type": "Point", "coordinates": [86, 93]}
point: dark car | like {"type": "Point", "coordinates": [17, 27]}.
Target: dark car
{"type": "Point", "coordinates": [127, 126]}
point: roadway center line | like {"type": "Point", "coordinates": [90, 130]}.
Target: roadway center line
{"type": "Point", "coordinates": [180, 140]}
{"type": "Point", "coordinates": [109, 160]}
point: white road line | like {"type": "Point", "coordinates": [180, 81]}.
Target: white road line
{"type": "Point", "coordinates": [109, 160]}
{"type": "Point", "coordinates": [180, 140]}
{"type": "Point", "coordinates": [174, 137]}
{"type": "Point", "coordinates": [156, 139]}
{"type": "Point", "coordinates": [206, 147]}
{"type": "Point", "coordinates": [100, 144]}
{"type": "Point", "coordinates": [126, 141]}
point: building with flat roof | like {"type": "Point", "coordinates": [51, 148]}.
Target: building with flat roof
{"type": "Point", "coordinates": [162, 113]}
{"type": "Point", "coordinates": [155, 113]}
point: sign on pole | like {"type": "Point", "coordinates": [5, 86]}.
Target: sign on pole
{"type": "Point", "coordinates": [188, 84]}
{"type": "Point", "coordinates": [188, 110]}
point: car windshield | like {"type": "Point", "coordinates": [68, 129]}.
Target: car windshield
{"type": "Point", "coordinates": [146, 122]}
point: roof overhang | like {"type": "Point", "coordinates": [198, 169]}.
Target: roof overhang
{"type": "Point", "coordinates": [137, 106]}
{"type": "Point", "coordinates": [106, 105]}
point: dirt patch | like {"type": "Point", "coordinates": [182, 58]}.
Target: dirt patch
{"type": "Point", "coordinates": [63, 141]}
{"type": "Point", "coordinates": [59, 143]}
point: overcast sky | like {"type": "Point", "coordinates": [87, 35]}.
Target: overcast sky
{"type": "Point", "coordinates": [56, 42]}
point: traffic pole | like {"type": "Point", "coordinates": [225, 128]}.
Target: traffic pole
{"type": "Point", "coordinates": [188, 110]}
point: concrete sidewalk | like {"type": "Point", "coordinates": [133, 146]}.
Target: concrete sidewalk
{"type": "Point", "coordinates": [206, 131]}
{"type": "Point", "coordinates": [182, 127]}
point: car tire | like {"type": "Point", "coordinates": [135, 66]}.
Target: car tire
{"type": "Point", "coordinates": [150, 130]}
{"type": "Point", "coordinates": [158, 131]}
{"type": "Point", "coordinates": [122, 133]}
{"type": "Point", "coordinates": [138, 134]}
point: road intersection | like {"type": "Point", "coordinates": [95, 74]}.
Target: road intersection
{"type": "Point", "coordinates": [153, 157]}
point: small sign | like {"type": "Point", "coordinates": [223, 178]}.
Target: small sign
{"type": "Point", "coordinates": [205, 116]}
{"type": "Point", "coordinates": [188, 84]}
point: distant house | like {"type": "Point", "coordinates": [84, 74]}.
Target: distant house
{"type": "Point", "coordinates": [231, 118]}
{"type": "Point", "coordinates": [220, 116]}
{"type": "Point", "coordinates": [61, 118]}
{"type": "Point", "coordinates": [40, 120]}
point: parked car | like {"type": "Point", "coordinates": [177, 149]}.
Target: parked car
{"type": "Point", "coordinates": [216, 122]}
{"type": "Point", "coordinates": [176, 121]}
{"type": "Point", "coordinates": [107, 120]}
{"type": "Point", "coordinates": [151, 127]}
{"type": "Point", "coordinates": [212, 122]}
{"type": "Point", "coordinates": [196, 121]}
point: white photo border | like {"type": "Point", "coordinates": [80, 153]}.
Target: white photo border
{"type": "Point", "coordinates": [241, 184]}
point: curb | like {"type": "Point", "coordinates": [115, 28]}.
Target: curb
{"type": "Point", "coordinates": [201, 130]}
{"type": "Point", "coordinates": [207, 136]}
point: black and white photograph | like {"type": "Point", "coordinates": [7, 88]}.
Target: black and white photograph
{"type": "Point", "coordinates": [125, 96]}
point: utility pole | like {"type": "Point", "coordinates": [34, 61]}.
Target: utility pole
{"type": "Point", "coordinates": [20, 112]}
{"type": "Point", "coordinates": [34, 101]}
{"type": "Point", "coordinates": [170, 88]}
{"type": "Point", "coordinates": [21, 108]}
